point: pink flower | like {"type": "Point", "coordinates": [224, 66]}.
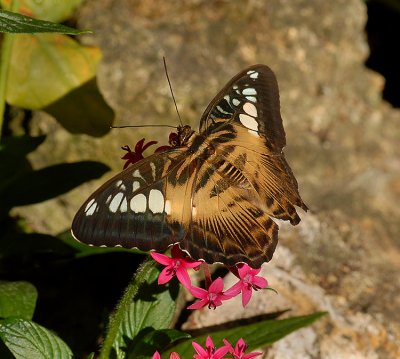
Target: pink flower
{"type": "Point", "coordinates": [240, 348]}
{"type": "Point", "coordinates": [176, 265]}
{"type": "Point", "coordinates": [173, 355]}
{"type": "Point", "coordinates": [248, 281]}
{"type": "Point", "coordinates": [210, 352]}
{"type": "Point", "coordinates": [212, 297]}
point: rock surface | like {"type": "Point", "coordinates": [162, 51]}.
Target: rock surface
{"type": "Point", "coordinates": [343, 146]}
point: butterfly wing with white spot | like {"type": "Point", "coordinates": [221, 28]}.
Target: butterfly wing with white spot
{"type": "Point", "coordinates": [140, 207]}
{"type": "Point", "coordinates": [247, 179]}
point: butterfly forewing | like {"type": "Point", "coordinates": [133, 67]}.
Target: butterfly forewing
{"type": "Point", "coordinates": [131, 209]}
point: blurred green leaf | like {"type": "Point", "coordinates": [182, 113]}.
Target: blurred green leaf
{"type": "Point", "coordinates": [11, 22]}
{"type": "Point", "coordinates": [83, 110]}
{"type": "Point", "coordinates": [255, 335]}
{"type": "Point", "coordinates": [49, 182]}
{"type": "Point", "coordinates": [45, 67]}
{"type": "Point", "coordinates": [17, 299]}
{"type": "Point", "coordinates": [50, 10]}
{"type": "Point", "coordinates": [28, 340]}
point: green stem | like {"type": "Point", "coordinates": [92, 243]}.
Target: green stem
{"type": "Point", "coordinates": [4, 66]}
{"type": "Point", "coordinates": [122, 308]}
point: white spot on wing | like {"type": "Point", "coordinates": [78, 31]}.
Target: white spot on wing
{"type": "Point", "coordinates": [89, 204]}
{"type": "Point", "coordinates": [227, 98]}
{"type": "Point", "coordinates": [135, 186]}
{"type": "Point", "coordinates": [249, 91]}
{"type": "Point", "coordinates": [108, 199]}
{"type": "Point", "coordinates": [167, 208]}
{"type": "Point", "coordinates": [137, 174]}
{"type": "Point", "coordinates": [115, 202]}
{"type": "Point", "coordinates": [92, 209]}
{"type": "Point", "coordinates": [156, 201]}
{"type": "Point", "coordinates": [254, 75]}
{"type": "Point", "coordinates": [250, 72]}
{"type": "Point", "coordinates": [138, 203]}
{"type": "Point", "coordinates": [248, 122]}
{"type": "Point", "coordinates": [250, 109]}
{"type": "Point", "coordinates": [235, 102]}
{"type": "Point", "coordinates": [124, 205]}
{"type": "Point", "coordinates": [119, 183]}
{"type": "Point", "coordinates": [221, 110]}
{"type": "Point", "coordinates": [251, 98]}
{"type": "Point", "coordinates": [153, 170]}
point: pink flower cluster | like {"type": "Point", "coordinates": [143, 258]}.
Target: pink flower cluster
{"type": "Point", "coordinates": [178, 264]}
{"type": "Point", "coordinates": [211, 352]}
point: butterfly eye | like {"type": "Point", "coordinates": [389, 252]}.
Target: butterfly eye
{"type": "Point", "coordinates": [173, 139]}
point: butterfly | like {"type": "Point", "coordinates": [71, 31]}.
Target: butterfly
{"type": "Point", "coordinates": [214, 192]}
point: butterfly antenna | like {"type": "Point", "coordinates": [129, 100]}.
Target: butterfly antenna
{"type": "Point", "coordinates": [172, 92]}
{"type": "Point", "coordinates": [143, 126]}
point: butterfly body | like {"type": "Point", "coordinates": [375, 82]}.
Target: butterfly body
{"type": "Point", "coordinates": [213, 191]}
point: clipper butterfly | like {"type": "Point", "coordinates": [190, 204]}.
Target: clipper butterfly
{"type": "Point", "coordinates": [213, 192]}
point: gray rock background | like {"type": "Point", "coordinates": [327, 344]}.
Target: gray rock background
{"type": "Point", "coordinates": [343, 146]}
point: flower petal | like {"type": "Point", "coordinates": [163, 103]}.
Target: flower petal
{"type": "Point", "coordinates": [246, 295]}
{"type": "Point", "coordinates": [217, 286]}
{"type": "Point", "coordinates": [260, 282]}
{"type": "Point", "coordinates": [156, 355]}
{"type": "Point", "coordinates": [198, 292]}
{"type": "Point", "coordinates": [161, 258]}
{"type": "Point", "coordinates": [165, 276]}
{"type": "Point", "coordinates": [183, 277]}
{"type": "Point", "coordinates": [234, 290]}
{"type": "Point", "coordinates": [199, 304]}
{"type": "Point", "coordinates": [199, 349]}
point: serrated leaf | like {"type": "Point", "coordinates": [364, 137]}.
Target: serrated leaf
{"type": "Point", "coordinates": [83, 110]}
{"type": "Point", "coordinates": [11, 22]}
{"type": "Point", "coordinates": [255, 335]}
{"type": "Point", "coordinates": [17, 299]}
{"type": "Point", "coordinates": [153, 308]}
{"type": "Point", "coordinates": [45, 67]}
{"type": "Point", "coordinates": [28, 340]}
{"type": "Point", "coordinates": [49, 182]}
{"type": "Point", "coordinates": [50, 10]}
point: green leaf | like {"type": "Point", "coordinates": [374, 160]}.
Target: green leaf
{"type": "Point", "coordinates": [152, 308]}
{"type": "Point", "coordinates": [154, 340]}
{"type": "Point", "coordinates": [144, 307]}
{"type": "Point", "coordinates": [255, 335]}
{"type": "Point", "coordinates": [83, 110]}
{"type": "Point", "coordinates": [50, 10]}
{"type": "Point", "coordinates": [17, 299]}
{"type": "Point", "coordinates": [11, 22]}
{"type": "Point", "coordinates": [49, 182]}
{"type": "Point", "coordinates": [28, 340]}
{"type": "Point", "coordinates": [45, 67]}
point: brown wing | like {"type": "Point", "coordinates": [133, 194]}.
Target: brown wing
{"type": "Point", "coordinates": [141, 207]}
{"type": "Point", "coordinates": [246, 179]}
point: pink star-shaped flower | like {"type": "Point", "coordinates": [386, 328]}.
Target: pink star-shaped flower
{"type": "Point", "coordinates": [210, 352]}
{"type": "Point", "coordinates": [248, 281]}
{"type": "Point", "coordinates": [177, 265]}
{"type": "Point", "coordinates": [240, 348]}
{"type": "Point", "coordinates": [212, 297]}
